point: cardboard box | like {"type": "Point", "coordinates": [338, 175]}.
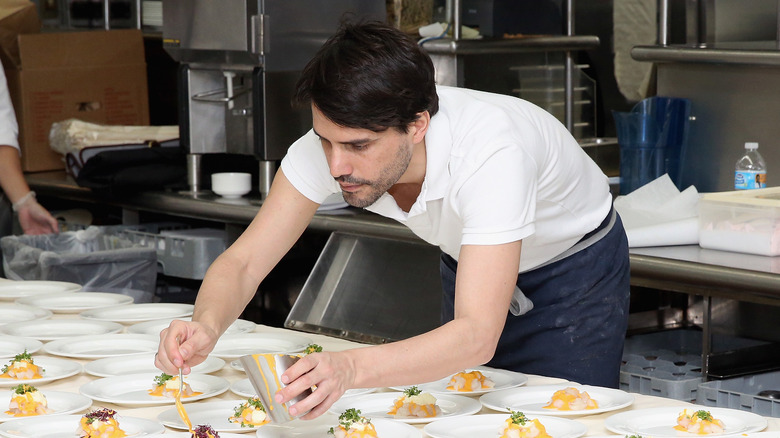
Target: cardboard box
{"type": "Point", "coordinates": [95, 76]}
{"type": "Point", "coordinates": [17, 17]}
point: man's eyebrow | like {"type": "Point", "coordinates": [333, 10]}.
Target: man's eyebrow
{"type": "Point", "coordinates": [357, 141]}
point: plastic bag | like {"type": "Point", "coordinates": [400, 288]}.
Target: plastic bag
{"type": "Point", "coordinates": [96, 259]}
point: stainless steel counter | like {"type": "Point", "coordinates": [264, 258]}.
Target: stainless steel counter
{"type": "Point", "coordinates": [685, 269]}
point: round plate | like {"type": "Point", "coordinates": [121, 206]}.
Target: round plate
{"type": "Point", "coordinates": [11, 290]}
{"type": "Point", "coordinates": [189, 435]}
{"type": "Point", "coordinates": [244, 388]}
{"type": "Point", "coordinates": [215, 414]}
{"type": "Point", "coordinates": [53, 329]}
{"type": "Point", "coordinates": [10, 346]}
{"type": "Point", "coordinates": [75, 302]}
{"type": "Point", "coordinates": [58, 402]}
{"type": "Point", "coordinates": [142, 363]}
{"type": "Point", "coordinates": [491, 425]}
{"type": "Point", "coordinates": [54, 369]}
{"type": "Point", "coordinates": [660, 422]}
{"type": "Point", "coordinates": [503, 379]}
{"type": "Point", "coordinates": [132, 313]}
{"type": "Point", "coordinates": [531, 399]}
{"type": "Point", "coordinates": [235, 346]}
{"type": "Point", "coordinates": [156, 326]}
{"type": "Point", "coordinates": [133, 389]}
{"type": "Point", "coordinates": [318, 428]}
{"type": "Point", "coordinates": [377, 405]}
{"type": "Point", "coordinates": [12, 312]}
{"type": "Point", "coordinates": [95, 347]}
{"type": "Point", "coordinates": [64, 426]}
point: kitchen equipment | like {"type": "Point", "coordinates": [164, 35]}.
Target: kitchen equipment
{"type": "Point", "coordinates": [264, 371]}
{"type": "Point", "coordinates": [231, 185]}
{"type": "Point", "coordinates": [240, 60]}
{"type": "Point", "coordinates": [652, 138]}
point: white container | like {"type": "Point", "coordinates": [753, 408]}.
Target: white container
{"type": "Point", "coordinates": [745, 221]}
{"type": "Point", "coordinates": [231, 185]}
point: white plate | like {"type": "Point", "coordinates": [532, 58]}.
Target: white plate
{"type": "Point", "coordinates": [131, 313]}
{"type": "Point", "coordinates": [64, 426]}
{"type": "Point", "coordinates": [491, 425]}
{"type": "Point", "coordinates": [235, 346]}
{"type": "Point", "coordinates": [156, 326]}
{"type": "Point", "coordinates": [96, 347]}
{"type": "Point", "coordinates": [53, 329]}
{"type": "Point", "coordinates": [58, 402]}
{"type": "Point", "coordinates": [133, 389]}
{"type": "Point", "coordinates": [142, 363]}
{"type": "Point", "coordinates": [11, 290]}
{"type": "Point", "coordinates": [54, 369]}
{"type": "Point", "coordinates": [377, 405]}
{"type": "Point", "coordinates": [75, 302]}
{"type": "Point", "coordinates": [189, 435]}
{"type": "Point", "coordinates": [10, 346]}
{"type": "Point", "coordinates": [12, 312]}
{"type": "Point", "coordinates": [503, 379]}
{"type": "Point", "coordinates": [244, 388]}
{"type": "Point", "coordinates": [215, 414]}
{"type": "Point", "coordinates": [531, 399]}
{"type": "Point", "coordinates": [318, 428]}
{"type": "Point", "coordinates": [660, 422]}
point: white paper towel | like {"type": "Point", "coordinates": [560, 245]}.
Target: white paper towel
{"type": "Point", "coordinates": [658, 214]}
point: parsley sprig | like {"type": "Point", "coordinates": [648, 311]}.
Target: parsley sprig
{"type": "Point", "coordinates": [703, 415]}
{"type": "Point", "coordinates": [162, 378]}
{"type": "Point", "coordinates": [412, 391]}
{"type": "Point", "coordinates": [518, 417]}
{"type": "Point", "coordinates": [312, 348]}
{"type": "Point", "coordinates": [350, 417]}
{"type": "Point", "coordinates": [21, 357]}
{"type": "Point", "coordinates": [23, 389]}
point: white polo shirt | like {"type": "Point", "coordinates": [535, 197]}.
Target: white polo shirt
{"type": "Point", "coordinates": [499, 169]}
{"type": "Point", "coordinates": [9, 129]}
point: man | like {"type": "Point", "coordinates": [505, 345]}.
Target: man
{"type": "Point", "coordinates": [535, 263]}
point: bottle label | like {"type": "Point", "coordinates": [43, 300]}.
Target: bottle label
{"type": "Point", "coordinates": [749, 179]}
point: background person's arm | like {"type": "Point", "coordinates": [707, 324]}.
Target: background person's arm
{"type": "Point", "coordinates": [33, 218]}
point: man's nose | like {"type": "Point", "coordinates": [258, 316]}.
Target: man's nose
{"type": "Point", "coordinates": [339, 164]}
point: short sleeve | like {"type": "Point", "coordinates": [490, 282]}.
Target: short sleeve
{"type": "Point", "coordinates": [9, 129]}
{"type": "Point", "coordinates": [498, 200]}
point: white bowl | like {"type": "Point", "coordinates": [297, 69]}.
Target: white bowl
{"type": "Point", "coordinates": [231, 185]}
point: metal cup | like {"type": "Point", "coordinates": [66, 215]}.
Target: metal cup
{"type": "Point", "coordinates": [264, 371]}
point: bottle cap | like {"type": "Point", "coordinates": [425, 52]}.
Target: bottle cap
{"type": "Point", "coordinates": [751, 145]}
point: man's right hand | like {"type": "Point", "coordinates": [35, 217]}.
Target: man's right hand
{"type": "Point", "coordinates": [184, 344]}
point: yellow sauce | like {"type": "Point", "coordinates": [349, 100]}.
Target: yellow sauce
{"type": "Point", "coordinates": [473, 381]}
{"type": "Point", "coordinates": [109, 429]}
{"type": "Point", "coordinates": [428, 410]}
{"type": "Point", "coordinates": [26, 405]}
{"type": "Point", "coordinates": [571, 399]}
{"type": "Point", "coordinates": [532, 429]}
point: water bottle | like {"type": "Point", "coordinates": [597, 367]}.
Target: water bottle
{"type": "Point", "coordinates": [750, 171]}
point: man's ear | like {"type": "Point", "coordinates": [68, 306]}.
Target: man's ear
{"type": "Point", "coordinates": [420, 126]}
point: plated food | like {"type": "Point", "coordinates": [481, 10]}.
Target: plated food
{"type": "Point", "coordinates": [415, 403]}
{"type": "Point", "coordinates": [353, 425]}
{"type": "Point", "coordinates": [520, 426]}
{"type": "Point", "coordinates": [470, 381]}
{"type": "Point", "coordinates": [378, 406]}
{"type": "Point", "coordinates": [571, 399]}
{"type": "Point", "coordinates": [166, 385]}
{"type": "Point", "coordinates": [204, 431]}
{"type": "Point", "coordinates": [21, 367]}
{"type": "Point", "coordinates": [250, 413]}
{"type": "Point", "coordinates": [700, 422]}
{"type": "Point", "coordinates": [100, 423]}
{"type": "Point", "coordinates": [312, 348]}
{"type": "Point", "coordinates": [27, 401]}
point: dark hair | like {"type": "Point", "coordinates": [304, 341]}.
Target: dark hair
{"type": "Point", "coordinates": [370, 76]}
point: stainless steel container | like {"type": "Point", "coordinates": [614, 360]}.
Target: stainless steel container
{"type": "Point", "coordinates": [264, 372]}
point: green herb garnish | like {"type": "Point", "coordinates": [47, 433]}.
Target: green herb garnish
{"type": "Point", "coordinates": [412, 391]}
{"type": "Point", "coordinates": [350, 417]}
{"type": "Point", "coordinates": [703, 415]}
{"type": "Point", "coordinates": [633, 436]}
{"type": "Point", "coordinates": [312, 348]}
{"type": "Point", "coordinates": [518, 417]}
{"type": "Point", "coordinates": [21, 357]}
{"type": "Point", "coordinates": [162, 378]}
{"type": "Point", "coordinates": [23, 389]}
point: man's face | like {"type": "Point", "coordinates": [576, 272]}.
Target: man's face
{"type": "Point", "coordinates": [365, 163]}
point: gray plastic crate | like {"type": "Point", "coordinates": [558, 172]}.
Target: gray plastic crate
{"type": "Point", "coordinates": [662, 373]}
{"type": "Point", "coordinates": [183, 253]}
{"type": "Point", "coordinates": [742, 393]}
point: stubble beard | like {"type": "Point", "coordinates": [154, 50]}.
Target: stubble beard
{"type": "Point", "coordinates": [387, 178]}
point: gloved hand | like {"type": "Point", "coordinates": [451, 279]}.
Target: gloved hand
{"type": "Point", "coordinates": [33, 218]}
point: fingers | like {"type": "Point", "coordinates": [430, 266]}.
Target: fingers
{"type": "Point", "coordinates": [169, 356]}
